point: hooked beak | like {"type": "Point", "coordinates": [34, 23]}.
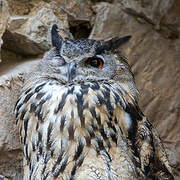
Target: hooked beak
{"type": "Point", "coordinates": [71, 71]}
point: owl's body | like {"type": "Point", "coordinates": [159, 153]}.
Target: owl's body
{"type": "Point", "coordinates": [79, 119]}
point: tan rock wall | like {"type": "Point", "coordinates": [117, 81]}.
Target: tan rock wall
{"type": "Point", "coordinates": [153, 53]}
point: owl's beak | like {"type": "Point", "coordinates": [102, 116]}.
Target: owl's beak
{"type": "Point", "coordinates": [71, 71]}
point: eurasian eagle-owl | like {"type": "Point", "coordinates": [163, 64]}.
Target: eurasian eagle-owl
{"type": "Point", "coordinates": [79, 118]}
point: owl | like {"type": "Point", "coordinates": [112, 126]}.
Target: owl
{"type": "Point", "coordinates": [78, 116]}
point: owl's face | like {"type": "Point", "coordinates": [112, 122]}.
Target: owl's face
{"type": "Point", "coordinates": [81, 60]}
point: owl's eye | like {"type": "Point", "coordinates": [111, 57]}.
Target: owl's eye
{"type": "Point", "coordinates": [95, 62]}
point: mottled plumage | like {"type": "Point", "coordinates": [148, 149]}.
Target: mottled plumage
{"type": "Point", "coordinates": [79, 118]}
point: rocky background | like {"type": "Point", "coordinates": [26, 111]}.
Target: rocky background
{"type": "Point", "coordinates": [153, 53]}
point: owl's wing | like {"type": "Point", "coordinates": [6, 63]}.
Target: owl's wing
{"type": "Point", "coordinates": [160, 155]}
{"type": "Point", "coordinates": [153, 157]}
{"type": "Point", "coordinates": [144, 142]}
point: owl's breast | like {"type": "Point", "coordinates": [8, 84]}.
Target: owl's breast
{"type": "Point", "coordinates": [77, 109]}
{"type": "Point", "coordinates": [55, 118]}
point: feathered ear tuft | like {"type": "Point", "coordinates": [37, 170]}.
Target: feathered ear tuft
{"type": "Point", "coordinates": [56, 38]}
{"type": "Point", "coordinates": [112, 44]}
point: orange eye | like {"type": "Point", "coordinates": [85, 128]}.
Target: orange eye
{"type": "Point", "coordinates": [95, 62]}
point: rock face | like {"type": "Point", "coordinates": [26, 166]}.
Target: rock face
{"type": "Point", "coordinates": [4, 14]}
{"type": "Point", "coordinates": [153, 53]}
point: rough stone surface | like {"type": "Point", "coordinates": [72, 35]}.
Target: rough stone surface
{"type": "Point", "coordinates": [152, 11]}
{"type": "Point", "coordinates": [4, 16]}
{"type": "Point", "coordinates": [153, 53]}
{"type": "Point", "coordinates": [158, 13]}
{"type": "Point", "coordinates": [30, 35]}
{"type": "Point", "coordinates": [171, 20]}
{"type": "Point", "coordinates": [80, 16]}
{"type": "Point", "coordinates": [10, 148]}
{"type": "Point", "coordinates": [79, 9]}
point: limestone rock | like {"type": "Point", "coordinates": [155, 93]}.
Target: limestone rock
{"type": "Point", "coordinates": [79, 9]}
{"type": "Point", "coordinates": [22, 7]}
{"type": "Point", "coordinates": [4, 14]}
{"type": "Point", "coordinates": [102, 10]}
{"type": "Point", "coordinates": [152, 11]}
{"type": "Point", "coordinates": [171, 20]}
{"type": "Point", "coordinates": [163, 15]}
{"type": "Point", "coordinates": [80, 16]}
{"type": "Point", "coordinates": [31, 36]}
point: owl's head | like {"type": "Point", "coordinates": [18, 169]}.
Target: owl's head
{"type": "Point", "coordinates": [72, 61]}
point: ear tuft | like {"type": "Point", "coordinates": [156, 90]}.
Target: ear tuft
{"type": "Point", "coordinates": [112, 44]}
{"type": "Point", "coordinates": [55, 37]}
